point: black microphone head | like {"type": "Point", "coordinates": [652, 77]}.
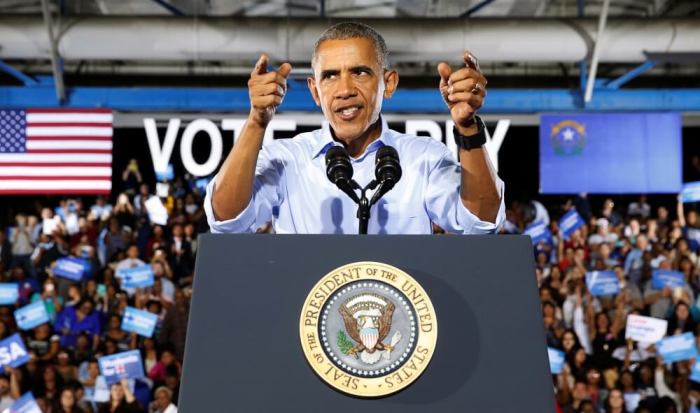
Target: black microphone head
{"type": "Point", "coordinates": [338, 166]}
{"type": "Point", "coordinates": [387, 166]}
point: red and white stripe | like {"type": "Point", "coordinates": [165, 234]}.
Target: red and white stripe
{"type": "Point", "coordinates": [69, 151]}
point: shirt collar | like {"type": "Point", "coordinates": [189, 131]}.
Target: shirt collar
{"type": "Point", "coordinates": [325, 141]}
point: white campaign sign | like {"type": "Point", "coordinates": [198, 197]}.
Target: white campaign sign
{"type": "Point", "coordinates": [162, 152]}
{"type": "Point", "coordinates": [645, 329]}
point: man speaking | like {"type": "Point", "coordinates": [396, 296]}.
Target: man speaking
{"type": "Point", "coordinates": [285, 182]}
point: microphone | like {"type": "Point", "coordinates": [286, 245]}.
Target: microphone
{"type": "Point", "coordinates": [387, 171]}
{"type": "Point", "coordinates": [339, 170]}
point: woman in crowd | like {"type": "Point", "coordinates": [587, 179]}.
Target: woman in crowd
{"type": "Point", "coordinates": [121, 400]}
{"type": "Point", "coordinates": [66, 403]}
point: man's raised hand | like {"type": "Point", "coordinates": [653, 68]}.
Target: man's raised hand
{"type": "Point", "coordinates": [266, 90]}
{"type": "Point", "coordinates": [463, 90]}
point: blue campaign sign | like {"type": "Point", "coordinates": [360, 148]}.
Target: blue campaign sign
{"type": "Point", "coordinates": [610, 153]}
{"type": "Point", "coordinates": [137, 277]}
{"type": "Point", "coordinates": [693, 236]}
{"type": "Point", "coordinates": [9, 293]}
{"type": "Point", "coordinates": [538, 232]}
{"type": "Point", "coordinates": [677, 348]}
{"type": "Point", "coordinates": [690, 192]}
{"type": "Point", "coordinates": [138, 321]}
{"type": "Point", "coordinates": [695, 373]}
{"type": "Point", "coordinates": [126, 365]}
{"type": "Point", "coordinates": [570, 222]}
{"type": "Point", "coordinates": [667, 278]}
{"type": "Point", "coordinates": [25, 404]}
{"type": "Point", "coordinates": [71, 268]}
{"type": "Point", "coordinates": [556, 360]}
{"type": "Point", "coordinates": [31, 315]}
{"type": "Point", "coordinates": [602, 283]}
{"type": "Point", "coordinates": [167, 175]}
{"type": "Point", "coordinates": [13, 352]}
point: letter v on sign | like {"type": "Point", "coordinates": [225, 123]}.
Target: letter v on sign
{"type": "Point", "coordinates": [160, 155]}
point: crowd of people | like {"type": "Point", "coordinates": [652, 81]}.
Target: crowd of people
{"type": "Point", "coordinates": [603, 371]}
{"type": "Point", "coordinates": [86, 316]}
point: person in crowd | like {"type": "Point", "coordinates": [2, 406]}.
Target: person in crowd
{"type": "Point", "coordinates": [78, 319]}
{"type": "Point", "coordinates": [131, 176]}
{"type": "Point", "coordinates": [121, 400]}
{"type": "Point", "coordinates": [163, 401]}
{"type": "Point", "coordinates": [66, 402]}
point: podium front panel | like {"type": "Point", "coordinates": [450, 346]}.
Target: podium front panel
{"type": "Point", "coordinates": [243, 352]}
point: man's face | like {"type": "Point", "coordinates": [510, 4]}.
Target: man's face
{"type": "Point", "coordinates": [349, 85]}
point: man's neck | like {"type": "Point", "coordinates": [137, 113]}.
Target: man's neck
{"type": "Point", "coordinates": [359, 145]}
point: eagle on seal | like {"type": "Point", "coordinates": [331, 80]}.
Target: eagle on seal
{"type": "Point", "coordinates": [367, 319]}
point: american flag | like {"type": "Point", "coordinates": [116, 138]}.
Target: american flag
{"type": "Point", "coordinates": [55, 151]}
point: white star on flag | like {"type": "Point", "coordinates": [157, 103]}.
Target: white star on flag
{"type": "Point", "coordinates": [568, 134]}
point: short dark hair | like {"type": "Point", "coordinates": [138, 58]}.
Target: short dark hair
{"type": "Point", "coordinates": [355, 30]}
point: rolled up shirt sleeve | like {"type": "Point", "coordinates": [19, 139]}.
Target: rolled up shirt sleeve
{"type": "Point", "coordinates": [444, 202]}
{"type": "Point", "coordinates": [473, 225]}
{"type": "Point", "coordinates": [259, 209]}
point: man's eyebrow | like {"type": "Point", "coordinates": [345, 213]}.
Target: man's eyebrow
{"type": "Point", "coordinates": [328, 72]}
{"type": "Point", "coordinates": [360, 68]}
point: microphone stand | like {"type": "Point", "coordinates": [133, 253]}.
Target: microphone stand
{"type": "Point", "coordinates": [365, 204]}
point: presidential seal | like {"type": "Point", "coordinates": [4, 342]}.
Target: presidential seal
{"type": "Point", "coordinates": [368, 329]}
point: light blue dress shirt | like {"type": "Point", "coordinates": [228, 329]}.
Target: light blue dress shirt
{"type": "Point", "coordinates": [291, 190]}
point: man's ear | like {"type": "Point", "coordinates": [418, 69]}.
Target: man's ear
{"type": "Point", "coordinates": [391, 82]}
{"type": "Point", "coordinates": [311, 83]}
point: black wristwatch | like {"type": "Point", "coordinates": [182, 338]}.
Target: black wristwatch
{"type": "Point", "coordinates": [474, 141]}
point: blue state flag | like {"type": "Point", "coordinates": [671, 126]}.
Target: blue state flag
{"type": "Point", "coordinates": [677, 348]}
{"type": "Point", "coordinates": [138, 321]}
{"type": "Point", "coordinates": [610, 153]}
{"type": "Point", "coordinates": [556, 360]}
{"type": "Point", "coordinates": [31, 315]}
{"type": "Point", "coordinates": [9, 293]}
{"type": "Point", "coordinates": [71, 268]}
{"type": "Point", "coordinates": [13, 352]}
{"type": "Point", "coordinates": [125, 365]}
{"type": "Point", "coordinates": [538, 232]}
{"type": "Point", "coordinates": [570, 222]}
{"type": "Point", "coordinates": [690, 192]}
{"type": "Point", "coordinates": [137, 277]}
{"type": "Point", "coordinates": [25, 404]}
{"type": "Point", "coordinates": [667, 278]}
{"type": "Point", "coordinates": [602, 283]}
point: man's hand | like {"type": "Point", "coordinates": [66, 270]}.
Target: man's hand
{"type": "Point", "coordinates": [463, 91]}
{"type": "Point", "coordinates": [266, 90]}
